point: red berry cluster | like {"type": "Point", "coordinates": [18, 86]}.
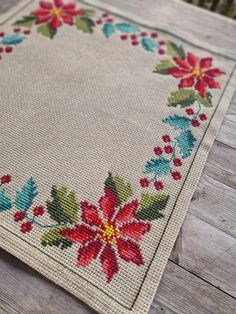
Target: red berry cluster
{"type": "Point", "coordinates": [28, 224]}
{"type": "Point", "coordinates": [105, 18]}
{"type": "Point", "coordinates": [195, 121]}
{"type": "Point", "coordinates": [5, 179]}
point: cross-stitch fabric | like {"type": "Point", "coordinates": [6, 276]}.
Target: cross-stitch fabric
{"type": "Point", "coordinates": [106, 123]}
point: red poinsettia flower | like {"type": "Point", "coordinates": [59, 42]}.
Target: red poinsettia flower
{"type": "Point", "coordinates": [196, 72]}
{"type": "Point", "coordinates": [56, 13]}
{"type": "Point", "coordinates": [114, 231]}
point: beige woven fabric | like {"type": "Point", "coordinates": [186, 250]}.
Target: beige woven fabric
{"type": "Point", "coordinates": [95, 116]}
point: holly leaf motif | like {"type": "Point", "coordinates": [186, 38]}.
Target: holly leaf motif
{"type": "Point", "coordinates": [46, 30]}
{"type": "Point", "coordinates": [54, 238]}
{"type": "Point", "coordinates": [121, 189]}
{"type": "Point", "coordinates": [89, 12]}
{"type": "Point", "coordinates": [108, 29]}
{"type": "Point", "coordinates": [5, 201]}
{"type": "Point", "coordinates": [186, 142]}
{"type": "Point", "coordinates": [84, 24]}
{"type": "Point", "coordinates": [177, 122]}
{"type": "Point", "coordinates": [25, 196]}
{"type": "Point", "coordinates": [158, 166]}
{"type": "Point", "coordinates": [26, 21]}
{"type": "Point", "coordinates": [151, 206]}
{"type": "Point", "coordinates": [12, 40]}
{"type": "Point", "coordinates": [127, 28]}
{"type": "Point", "coordinates": [64, 207]}
{"type": "Point", "coordinates": [175, 50]}
{"type": "Point", "coordinates": [207, 100]}
{"type": "Point", "coordinates": [164, 66]}
{"type": "Point", "coordinates": [182, 97]}
{"type": "Point", "coordinates": [148, 44]}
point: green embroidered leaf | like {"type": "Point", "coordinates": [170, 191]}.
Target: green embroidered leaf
{"type": "Point", "coordinates": [84, 24]}
{"type": "Point", "coordinates": [53, 237]}
{"type": "Point", "coordinates": [64, 207]}
{"type": "Point", "coordinates": [89, 12]}
{"type": "Point", "coordinates": [175, 50]}
{"type": "Point", "coordinates": [151, 206]}
{"type": "Point", "coordinates": [178, 122]}
{"type": "Point", "coordinates": [5, 201]}
{"type": "Point", "coordinates": [12, 40]}
{"type": "Point", "coordinates": [148, 44]}
{"type": "Point", "coordinates": [46, 30]}
{"type": "Point", "coordinates": [127, 28]}
{"type": "Point", "coordinates": [121, 189]}
{"type": "Point", "coordinates": [186, 142]}
{"type": "Point", "coordinates": [207, 100]}
{"type": "Point", "coordinates": [182, 97]}
{"type": "Point", "coordinates": [25, 196]}
{"type": "Point", "coordinates": [26, 21]}
{"type": "Point", "coordinates": [158, 166]}
{"type": "Point", "coordinates": [108, 29]}
{"type": "Point", "coordinates": [164, 66]}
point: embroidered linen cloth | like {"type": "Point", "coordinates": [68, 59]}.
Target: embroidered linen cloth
{"type": "Point", "coordinates": [106, 123]}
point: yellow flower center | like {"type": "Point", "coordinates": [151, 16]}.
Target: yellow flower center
{"type": "Point", "coordinates": [109, 233]}
{"type": "Point", "coordinates": [197, 72]}
{"type": "Point", "coordinates": [56, 11]}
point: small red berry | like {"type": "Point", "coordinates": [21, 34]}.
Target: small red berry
{"type": "Point", "coordinates": [8, 49]}
{"type": "Point", "coordinates": [135, 43]}
{"type": "Point", "coordinates": [144, 34]}
{"type": "Point", "coordinates": [110, 20]}
{"type": "Point", "coordinates": [177, 162]}
{"type": "Point", "coordinates": [27, 31]}
{"type": "Point", "coordinates": [38, 210]}
{"type": "Point", "coordinates": [202, 117]}
{"type": "Point", "coordinates": [158, 150]}
{"type": "Point", "coordinates": [189, 111]}
{"type": "Point", "coordinates": [99, 22]}
{"type": "Point", "coordinates": [162, 42]}
{"type": "Point", "coordinates": [195, 123]}
{"type": "Point", "coordinates": [1, 49]}
{"type": "Point", "coordinates": [105, 14]}
{"type": "Point", "coordinates": [16, 30]}
{"type": "Point", "coordinates": [123, 37]}
{"type": "Point", "coordinates": [2, 34]}
{"type": "Point", "coordinates": [26, 227]}
{"type": "Point", "coordinates": [159, 185]}
{"type": "Point", "coordinates": [19, 216]}
{"type": "Point", "coordinates": [133, 36]}
{"type": "Point", "coordinates": [154, 35]}
{"type": "Point", "coordinates": [168, 149]}
{"type": "Point", "coordinates": [144, 182]}
{"type": "Point", "coordinates": [161, 51]}
{"type": "Point", "coordinates": [166, 138]}
{"type": "Point", "coordinates": [6, 179]}
{"type": "Point", "coordinates": [176, 175]}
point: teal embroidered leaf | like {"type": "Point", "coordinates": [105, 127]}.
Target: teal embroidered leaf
{"type": "Point", "coordinates": [121, 189]}
{"type": "Point", "coordinates": [54, 238]}
{"type": "Point", "coordinates": [12, 39]}
{"type": "Point", "coordinates": [25, 196]}
{"type": "Point", "coordinates": [5, 201]}
{"type": "Point", "coordinates": [158, 166]}
{"type": "Point", "coordinates": [108, 29]}
{"type": "Point", "coordinates": [178, 122]}
{"type": "Point", "coordinates": [175, 50]}
{"type": "Point", "coordinates": [151, 206]}
{"type": "Point", "coordinates": [186, 142]}
{"type": "Point", "coordinates": [26, 21]}
{"type": "Point", "coordinates": [46, 30]}
{"type": "Point", "coordinates": [64, 207]}
{"type": "Point", "coordinates": [127, 28]}
{"type": "Point", "coordinates": [182, 97]}
{"type": "Point", "coordinates": [164, 66]}
{"type": "Point", "coordinates": [84, 24]}
{"type": "Point", "coordinates": [148, 44]}
{"type": "Point", "coordinates": [207, 100]}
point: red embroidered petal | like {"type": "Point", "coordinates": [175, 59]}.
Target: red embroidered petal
{"type": "Point", "coordinates": [109, 262]}
{"type": "Point", "coordinates": [46, 5]}
{"type": "Point", "coordinates": [43, 19]}
{"type": "Point", "coordinates": [177, 72]}
{"type": "Point", "coordinates": [69, 6]}
{"type": "Point", "coordinates": [211, 82]}
{"type": "Point", "coordinates": [186, 82]}
{"type": "Point", "coordinates": [127, 212]}
{"type": "Point", "coordinates": [68, 19]}
{"type": "Point", "coordinates": [55, 23]}
{"type": "Point", "coordinates": [40, 12]}
{"type": "Point", "coordinates": [89, 252]}
{"type": "Point", "coordinates": [201, 87]}
{"type": "Point", "coordinates": [205, 63]}
{"type": "Point", "coordinates": [192, 59]}
{"type": "Point", "coordinates": [135, 230]}
{"type": "Point", "coordinates": [130, 252]}
{"type": "Point", "coordinates": [90, 214]}
{"type": "Point", "coordinates": [79, 234]}
{"type": "Point", "coordinates": [108, 203]}
{"type": "Point", "coordinates": [58, 3]}
{"type": "Point", "coordinates": [72, 12]}
{"type": "Point", "coordinates": [182, 63]}
{"type": "Point", "coordinates": [214, 72]}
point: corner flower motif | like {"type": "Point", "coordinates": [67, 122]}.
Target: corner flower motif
{"type": "Point", "coordinates": [110, 231]}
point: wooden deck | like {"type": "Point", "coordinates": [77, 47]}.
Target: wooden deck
{"type": "Point", "coordinates": [200, 277]}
